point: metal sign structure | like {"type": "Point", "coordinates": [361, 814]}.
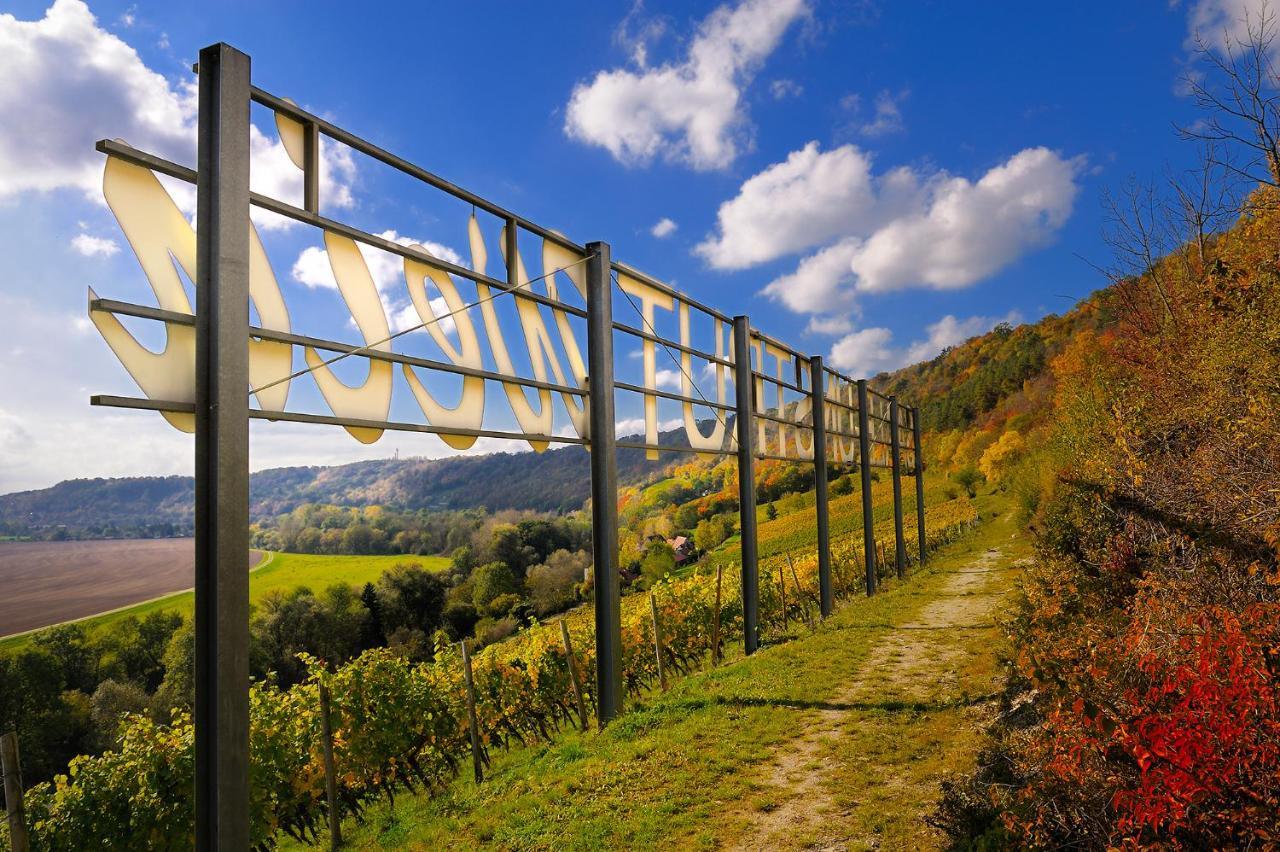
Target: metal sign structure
{"type": "Point", "coordinates": [218, 370]}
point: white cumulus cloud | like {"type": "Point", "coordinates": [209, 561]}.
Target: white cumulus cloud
{"type": "Point", "coordinates": [821, 283]}
{"type": "Point", "coordinates": [689, 111]}
{"type": "Point", "coordinates": [863, 353]}
{"type": "Point", "coordinates": [904, 229]}
{"type": "Point", "coordinates": [804, 201]}
{"type": "Point", "coordinates": [65, 83]}
{"type": "Point", "coordinates": [970, 230]}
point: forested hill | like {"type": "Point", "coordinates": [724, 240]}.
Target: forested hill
{"type": "Point", "coordinates": [155, 506]}
{"type": "Point", "coordinates": [1001, 376]}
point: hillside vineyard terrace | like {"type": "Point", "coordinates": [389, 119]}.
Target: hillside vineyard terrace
{"type": "Point", "coordinates": [785, 405]}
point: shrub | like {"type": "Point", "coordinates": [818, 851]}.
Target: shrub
{"type": "Point", "coordinates": [491, 580]}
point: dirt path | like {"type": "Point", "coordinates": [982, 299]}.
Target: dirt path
{"type": "Point", "coordinates": [921, 665]}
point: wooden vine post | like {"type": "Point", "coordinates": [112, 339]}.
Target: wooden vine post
{"type": "Point", "coordinates": [782, 590]}
{"type": "Point", "coordinates": [800, 595]}
{"type": "Point", "coordinates": [657, 641]}
{"type": "Point", "coordinates": [330, 769]}
{"type": "Point", "coordinates": [573, 674]}
{"type": "Point", "coordinates": [477, 756]}
{"type": "Point", "coordinates": [18, 840]}
{"type": "Point", "coordinates": [715, 622]}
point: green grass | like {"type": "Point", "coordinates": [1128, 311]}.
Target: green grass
{"type": "Point", "coordinates": [684, 769]}
{"type": "Point", "coordinates": [277, 572]}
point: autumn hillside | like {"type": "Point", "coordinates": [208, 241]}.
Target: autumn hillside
{"type": "Point", "coordinates": [1143, 705]}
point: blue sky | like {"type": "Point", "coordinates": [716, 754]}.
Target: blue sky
{"type": "Point", "coordinates": [868, 181]}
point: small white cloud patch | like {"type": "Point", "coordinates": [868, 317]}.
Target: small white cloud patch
{"type": "Point", "coordinates": [832, 325]}
{"type": "Point", "coordinates": [91, 246]}
{"type": "Point", "coordinates": [669, 379]}
{"type": "Point", "coordinates": [664, 228]}
{"type": "Point", "coordinates": [783, 89]}
{"type": "Point", "coordinates": [888, 115]}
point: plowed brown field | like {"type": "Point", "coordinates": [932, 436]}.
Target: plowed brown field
{"type": "Point", "coordinates": [48, 582]}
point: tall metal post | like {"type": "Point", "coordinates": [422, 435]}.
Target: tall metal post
{"type": "Point", "coordinates": [604, 483]}
{"type": "Point", "coordinates": [817, 390]}
{"type": "Point", "coordinates": [895, 444]}
{"type": "Point", "coordinates": [864, 469]}
{"type": "Point", "coordinates": [917, 451]}
{"type": "Point", "coordinates": [744, 388]}
{"type": "Point", "coordinates": [222, 453]}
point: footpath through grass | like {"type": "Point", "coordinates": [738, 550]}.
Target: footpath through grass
{"type": "Point", "coordinates": [276, 572]}
{"type": "Point", "coordinates": [840, 736]}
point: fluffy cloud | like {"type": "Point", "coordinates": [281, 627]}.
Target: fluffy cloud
{"type": "Point", "coordinates": [870, 351]}
{"type": "Point", "coordinates": [821, 282]}
{"type": "Point", "coordinates": [65, 83]}
{"type": "Point", "coordinates": [688, 111]}
{"type": "Point", "coordinates": [664, 228]}
{"type": "Point", "coordinates": [804, 201]}
{"type": "Point", "coordinates": [864, 352]}
{"type": "Point", "coordinates": [904, 229]}
{"type": "Point", "coordinates": [969, 231]}
{"type": "Point", "coordinates": [91, 246]}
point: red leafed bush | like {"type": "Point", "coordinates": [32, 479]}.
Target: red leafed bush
{"type": "Point", "coordinates": [1205, 732]}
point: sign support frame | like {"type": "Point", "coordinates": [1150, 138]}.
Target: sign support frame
{"type": "Point", "coordinates": [604, 484]}
{"type": "Point", "coordinates": [895, 444]}
{"type": "Point", "coordinates": [744, 391]}
{"type": "Point", "coordinates": [864, 471]}
{"type": "Point", "coordinates": [919, 472]}
{"type": "Point", "coordinates": [221, 711]}
{"type": "Point", "coordinates": [817, 389]}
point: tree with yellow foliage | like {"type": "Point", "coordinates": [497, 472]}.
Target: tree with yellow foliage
{"type": "Point", "coordinates": [998, 457]}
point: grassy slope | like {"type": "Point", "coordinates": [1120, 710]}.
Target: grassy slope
{"type": "Point", "coordinates": [278, 572]}
{"type": "Point", "coordinates": [685, 768]}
